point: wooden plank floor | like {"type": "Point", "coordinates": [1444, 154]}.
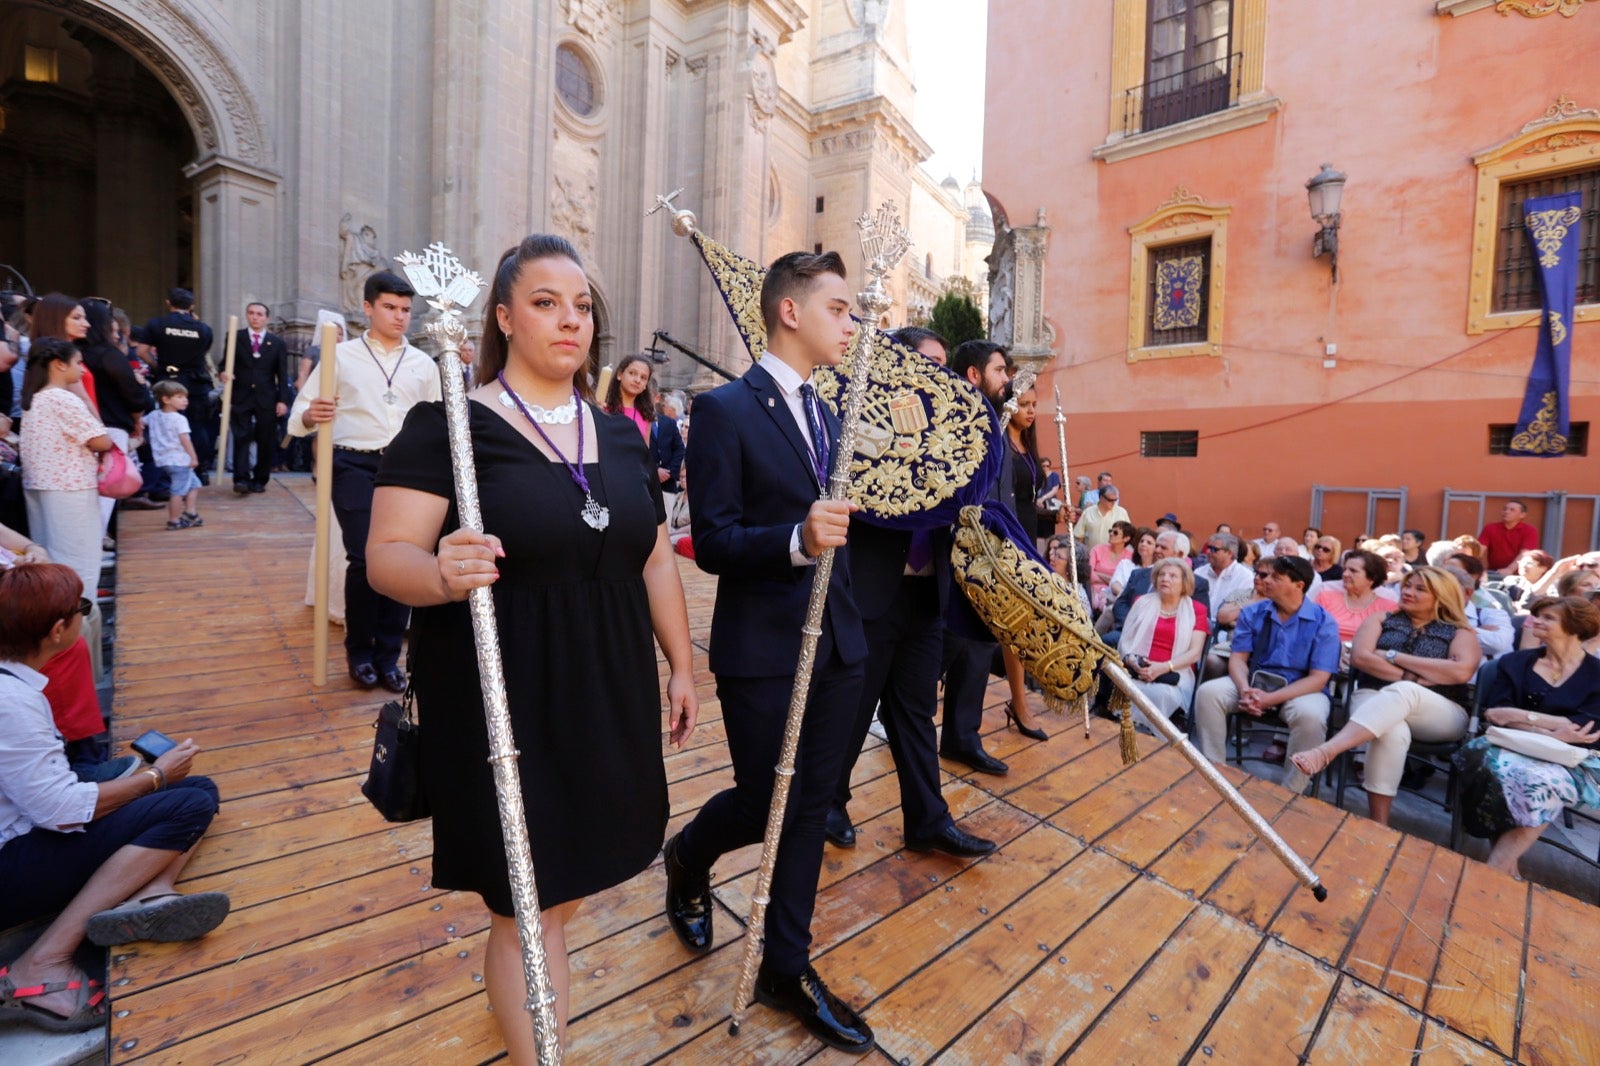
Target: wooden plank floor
{"type": "Point", "coordinates": [1128, 917]}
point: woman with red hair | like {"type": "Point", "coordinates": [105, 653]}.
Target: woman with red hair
{"type": "Point", "coordinates": [105, 855]}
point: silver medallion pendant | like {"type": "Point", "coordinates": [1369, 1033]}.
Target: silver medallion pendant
{"type": "Point", "coordinates": [390, 398]}
{"type": "Point", "coordinates": [596, 516]}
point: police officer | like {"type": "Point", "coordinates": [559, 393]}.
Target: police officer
{"type": "Point", "coordinates": [180, 342]}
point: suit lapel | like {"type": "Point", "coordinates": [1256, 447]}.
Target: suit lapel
{"type": "Point", "coordinates": [771, 401]}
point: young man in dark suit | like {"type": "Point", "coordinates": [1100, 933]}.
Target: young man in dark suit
{"type": "Point", "coordinates": [759, 460]}
{"type": "Point", "coordinates": [261, 394]}
{"type": "Point", "coordinates": [902, 584]}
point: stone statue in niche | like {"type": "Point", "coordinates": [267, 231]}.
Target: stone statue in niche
{"type": "Point", "coordinates": [359, 258]}
{"type": "Point", "coordinates": [1002, 289]}
{"type": "Point", "coordinates": [763, 94]}
{"type": "Point", "coordinates": [572, 211]}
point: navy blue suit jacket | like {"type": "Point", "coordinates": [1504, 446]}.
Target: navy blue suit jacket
{"type": "Point", "coordinates": [751, 482]}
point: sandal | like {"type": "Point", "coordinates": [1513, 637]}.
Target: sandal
{"type": "Point", "coordinates": [1319, 758]}
{"type": "Point", "coordinates": [90, 1012]}
{"type": "Point", "coordinates": [166, 918]}
{"type": "Point", "coordinates": [1275, 753]}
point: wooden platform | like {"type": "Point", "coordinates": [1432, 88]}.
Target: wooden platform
{"type": "Point", "coordinates": [1127, 917]}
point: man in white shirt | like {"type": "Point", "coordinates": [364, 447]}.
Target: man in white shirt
{"type": "Point", "coordinates": [1094, 527]}
{"type": "Point", "coordinates": [1268, 541]}
{"type": "Point", "coordinates": [379, 379]}
{"type": "Point", "coordinates": [1223, 570]}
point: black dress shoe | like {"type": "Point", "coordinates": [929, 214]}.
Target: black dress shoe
{"type": "Point", "coordinates": [258, 488]}
{"type": "Point", "coordinates": [241, 488]}
{"type": "Point", "coordinates": [979, 760]}
{"type": "Point", "coordinates": [688, 900]}
{"type": "Point", "coordinates": [829, 1018]}
{"type": "Point", "coordinates": [838, 830]}
{"type": "Point", "coordinates": [394, 680]}
{"type": "Point", "coordinates": [952, 841]}
{"type": "Point", "coordinates": [364, 674]}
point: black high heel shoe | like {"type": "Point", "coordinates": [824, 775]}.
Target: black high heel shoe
{"type": "Point", "coordinates": [1031, 734]}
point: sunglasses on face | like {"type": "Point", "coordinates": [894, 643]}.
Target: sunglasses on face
{"type": "Point", "coordinates": [84, 607]}
{"type": "Point", "coordinates": [1322, 548]}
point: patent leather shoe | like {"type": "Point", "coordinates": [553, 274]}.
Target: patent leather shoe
{"type": "Point", "coordinates": [394, 680]}
{"type": "Point", "coordinates": [979, 760]}
{"type": "Point", "coordinates": [688, 900]}
{"type": "Point", "coordinates": [838, 829]}
{"type": "Point", "coordinates": [952, 841]}
{"type": "Point", "coordinates": [828, 1017]}
{"type": "Point", "coordinates": [1013, 719]}
{"type": "Point", "coordinates": [364, 674]}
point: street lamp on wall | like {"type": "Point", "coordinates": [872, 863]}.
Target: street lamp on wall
{"type": "Point", "coordinates": [1325, 191]}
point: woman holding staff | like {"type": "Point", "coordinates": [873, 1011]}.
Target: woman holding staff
{"type": "Point", "coordinates": [582, 575]}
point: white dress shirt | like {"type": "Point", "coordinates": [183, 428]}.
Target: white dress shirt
{"type": "Point", "coordinates": [1234, 577]}
{"type": "Point", "coordinates": [789, 381]}
{"type": "Point", "coordinates": [365, 373]}
{"type": "Point", "coordinates": [37, 787]}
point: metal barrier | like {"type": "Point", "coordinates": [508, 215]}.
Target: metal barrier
{"type": "Point", "coordinates": [1375, 497]}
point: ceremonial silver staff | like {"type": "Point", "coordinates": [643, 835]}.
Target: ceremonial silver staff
{"type": "Point", "coordinates": [1072, 540]}
{"type": "Point", "coordinates": [439, 277]}
{"type": "Point", "coordinates": [883, 241]}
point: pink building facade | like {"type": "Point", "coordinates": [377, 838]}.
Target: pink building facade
{"type": "Point", "coordinates": [1203, 354]}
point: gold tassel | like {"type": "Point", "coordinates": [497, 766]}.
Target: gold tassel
{"type": "Point", "coordinates": [1122, 707]}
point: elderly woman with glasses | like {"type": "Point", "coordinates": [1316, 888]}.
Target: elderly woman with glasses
{"type": "Point", "coordinates": [104, 855]}
{"type": "Point", "coordinates": [1164, 637]}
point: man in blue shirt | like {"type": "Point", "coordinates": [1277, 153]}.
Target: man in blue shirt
{"type": "Point", "coordinates": [1285, 635]}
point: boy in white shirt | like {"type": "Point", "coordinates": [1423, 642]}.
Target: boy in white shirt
{"type": "Point", "coordinates": [168, 432]}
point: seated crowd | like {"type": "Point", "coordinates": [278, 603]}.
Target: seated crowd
{"type": "Point", "coordinates": [1392, 631]}
{"type": "Point", "coordinates": [91, 844]}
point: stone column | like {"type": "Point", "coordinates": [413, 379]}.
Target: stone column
{"type": "Point", "coordinates": [1016, 294]}
{"type": "Point", "coordinates": [236, 234]}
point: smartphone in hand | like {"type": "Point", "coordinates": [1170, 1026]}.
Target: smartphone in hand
{"type": "Point", "coordinates": [153, 745]}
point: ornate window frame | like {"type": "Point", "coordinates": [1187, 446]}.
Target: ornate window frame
{"type": "Point", "coordinates": [1565, 138]}
{"type": "Point", "coordinates": [1183, 218]}
{"type": "Point", "coordinates": [1251, 106]}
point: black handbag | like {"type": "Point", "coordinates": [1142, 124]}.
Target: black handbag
{"type": "Point", "coordinates": [394, 781]}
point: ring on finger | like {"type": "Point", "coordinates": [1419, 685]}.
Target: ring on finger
{"type": "Point", "coordinates": [461, 566]}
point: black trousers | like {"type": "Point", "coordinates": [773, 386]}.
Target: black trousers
{"type": "Point", "coordinates": [966, 677]}
{"type": "Point", "coordinates": [374, 625]}
{"type": "Point", "coordinates": [904, 652]}
{"type": "Point", "coordinates": [753, 713]}
{"type": "Point", "coordinates": [257, 425]}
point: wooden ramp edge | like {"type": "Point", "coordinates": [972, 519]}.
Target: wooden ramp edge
{"type": "Point", "coordinates": [1127, 917]}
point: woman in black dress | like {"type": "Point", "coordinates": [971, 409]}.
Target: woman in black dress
{"type": "Point", "coordinates": [577, 554]}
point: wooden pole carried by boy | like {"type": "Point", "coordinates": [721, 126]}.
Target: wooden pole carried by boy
{"type": "Point", "coordinates": [327, 385]}
{"type": "Point", "coordinates": [229, 347]}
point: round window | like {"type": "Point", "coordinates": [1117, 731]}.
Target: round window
{"type": "Point", "coordinates": [575, 81]}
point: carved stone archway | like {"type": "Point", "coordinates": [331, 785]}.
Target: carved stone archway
{"type": "Point", "coordinates": [188, 46]}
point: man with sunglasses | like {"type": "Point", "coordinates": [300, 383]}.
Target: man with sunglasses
{"type": "Point", "coordinates": [1223, 571]}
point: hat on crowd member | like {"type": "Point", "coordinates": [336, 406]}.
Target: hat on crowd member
{"type": "Point", "coordinates": [1169, 517]}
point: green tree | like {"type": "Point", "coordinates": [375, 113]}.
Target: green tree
{"type": "Point", "coordinates": [956, 318]}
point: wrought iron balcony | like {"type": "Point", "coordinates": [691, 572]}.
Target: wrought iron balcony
{"type": "Point", "coordinates": [1199, 90]}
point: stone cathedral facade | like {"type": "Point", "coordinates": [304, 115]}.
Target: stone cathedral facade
{"type": "Point", "coordinates": [283, 149]}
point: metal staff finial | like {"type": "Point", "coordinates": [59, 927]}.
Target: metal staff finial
{"type": "Point", "coordinates": [883, 242]}
{"type": "Point", "coordinates": [683, 221]}
{"type": "Point", "coordinates": [449, 287]}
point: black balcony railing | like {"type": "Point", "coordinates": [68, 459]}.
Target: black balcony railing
{"type": "Point", "coordinates": [1199, 90]}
